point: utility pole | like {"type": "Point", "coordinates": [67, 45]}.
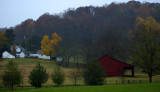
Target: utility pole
{"type": "Point", "coordinates": [25, 42]}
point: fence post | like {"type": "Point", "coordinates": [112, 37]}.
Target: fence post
{"type": "Point", "coordinates": [106, 82]}
{"type": "Point", "coordinates": [116, 82]}
{"type": "Point", "coordinates": [140, 81]}
{"type": "Point", "coordinates": [133, 82]}
{"type": "Point", "coordinates": [128, 82]}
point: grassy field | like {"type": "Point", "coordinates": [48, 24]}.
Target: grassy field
{"type": "Point", "coordinates": [152, 87]}
{"type": "Point", "coordinates": [26, 65]}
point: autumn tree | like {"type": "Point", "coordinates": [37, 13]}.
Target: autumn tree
{"type": "Point", "coordinates": [14, 50]}
{"type": "Point", "coordinates": [34, 43]}
{"type": "Point", "coordinates": [48, 46]}
{"type": "Point", "coordinates": [3, 38]}
{"type": "Point", "coordinates": [4, 45]}
{"type": "Point", "coordinates": [147, 46]}
{"type": "Point", "coordinates": [87, 50]}
{"type": "Point", "coordinates": [9, 33]}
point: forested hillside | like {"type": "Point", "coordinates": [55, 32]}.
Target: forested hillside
{"type": "Point", "coordinates": [90, 31]}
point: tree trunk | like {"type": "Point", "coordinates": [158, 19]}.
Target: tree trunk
{"type": "Point", "coordinates": [50, 55]}
{"type": "Point", "coordinates": [150, 78]}
{"type": "Point", "coordinates": [74, 59]}
{"type": "Point", "coordinates": [75, 81]}
{"type": "Point", "coordinates": [12, 79]}
{"type": "Point", "coordinates": [12, 87]}
{"type": "Point", "coordinates": [68, 61]}
{"type": "Point", "coordinates": [77, 62]}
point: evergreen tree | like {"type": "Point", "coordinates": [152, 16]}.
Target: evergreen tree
{"type": "Point", "coordinates": [12, 75]}
{"type": "Point", "coordinates": [58, 76]}
{"type": "Point", "coordinates": [38, 76]}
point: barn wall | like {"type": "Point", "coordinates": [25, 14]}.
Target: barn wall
{"type": "Point", "coordinates": [112, 66]}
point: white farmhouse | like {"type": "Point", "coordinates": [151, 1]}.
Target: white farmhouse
{"type": "Point", "coordinates": [20, 51]}
{"type": "Point", "coordinates": [7, 55]}
{"type": "Point", "coordinates": [21, 55]}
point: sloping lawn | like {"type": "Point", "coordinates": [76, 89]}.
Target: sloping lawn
{"type": "Point", "coordinates": [147, 87]}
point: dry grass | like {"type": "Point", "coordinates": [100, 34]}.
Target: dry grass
{"type": "Point", "coordinates": [26, 65]}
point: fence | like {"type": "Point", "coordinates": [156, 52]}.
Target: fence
{"type": "Point", "coordinates": [118, 82]}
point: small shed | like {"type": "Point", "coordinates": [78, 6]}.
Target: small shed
{"type": "Point", "coordinates": [7, 55]}
{"type": "Point", "coordinates": [115, 67]}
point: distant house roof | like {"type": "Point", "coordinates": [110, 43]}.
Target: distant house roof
{"type": "Point", "coordinates": [21, 49]}
{"type": "Point", "coordinates": [40, 52]}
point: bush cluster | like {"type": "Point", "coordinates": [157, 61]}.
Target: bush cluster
{"type": "Point", "coordinates": [93, 74]}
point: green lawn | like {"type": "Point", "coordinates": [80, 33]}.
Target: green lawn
{"type": "Point", "coordinates": [147, 87]}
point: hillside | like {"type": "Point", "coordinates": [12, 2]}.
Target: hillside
{"type": "Point", "coordinates": [26, 65]}
{"type": "Point", "coordinates": [98, 30]}
{"type": "Point", "coordinates": [89, 21]}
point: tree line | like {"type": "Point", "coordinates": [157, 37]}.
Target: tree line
{"type": "Point", "coordinates": [89, 29]}
{"type": "Point", "coordinates": [6, 40]}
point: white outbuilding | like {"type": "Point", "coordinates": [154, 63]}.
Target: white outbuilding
{"type": "Point", "coordinates": [22, 55]}
{"type": "Point", "coordinates": [59, 59]}
{"type": "Point", "coordinates": [43, 57]}
{"type": "Point", "coordinates": [7, 55]}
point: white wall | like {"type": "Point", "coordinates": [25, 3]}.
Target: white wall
{"type": "Point", "coordinates": [34, 55]}
{"type": "Point", "coordinates": [7, 55]}
{"type": "Point", "coordinates": [18, 49]}
{"type": "Point", "coordinates": [22, 55]}
{"type": "Point", "coordinates": [43, 57]}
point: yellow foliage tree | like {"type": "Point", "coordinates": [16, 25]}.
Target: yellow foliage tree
{"type": "Point", "coordinates": [56, 39]}
{"type": "Point", "coordinates": [48, 46]}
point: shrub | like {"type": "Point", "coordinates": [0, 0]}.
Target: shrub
{"type": "Point", "coordinates": [93, 74]}
{"type": "Point", "coordinates": [12, 75]}
{"type": "Point", "coordinates": [58, 76]}
{"type": "Point", "coordinates": [38, 76]}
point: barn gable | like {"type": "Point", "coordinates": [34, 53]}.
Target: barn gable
{"type": "Point", "coordinates": [114, 67]}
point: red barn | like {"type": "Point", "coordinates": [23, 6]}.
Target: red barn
{"type": "Point", "coordinates": [115, 67]}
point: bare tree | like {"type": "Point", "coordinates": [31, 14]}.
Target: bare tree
{"type": "Point", "coordinates": [75, 75]}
